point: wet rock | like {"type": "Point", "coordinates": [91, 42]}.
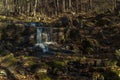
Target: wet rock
{"type": "Point", "coordinates": [65, 21]}
{"type": "Point", "coordinates": [4, 52]}
{"type": "Point", "coordinates": [107, 42]}
{"type": "Point", "coordinates": [104, 21]}
{"type": "Point", "coordinates": [15, 35]}
{"type": "Point", "coordinates": [76, 23]}
{"type": "Point", "coordinates": [90, 45]}
{"type": "Point", "coordinates": [111, 75]}
{"type": "Point", "coordinates": [74, 35]}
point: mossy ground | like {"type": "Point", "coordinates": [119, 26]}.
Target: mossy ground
{"type": "Point", "coordinates": [96, 47]}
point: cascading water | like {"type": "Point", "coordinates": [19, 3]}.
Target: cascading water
{"type": "Point", "coordinates": [39, 35]}
{"type": "Point", "coordinates": [40, 43]}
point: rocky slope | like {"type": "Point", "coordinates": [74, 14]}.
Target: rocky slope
{"type": "Point", "coordinates": [93, 38]}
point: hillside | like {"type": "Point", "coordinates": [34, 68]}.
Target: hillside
{"type": "Point", "coordinates": [95, 45]}
{"type": "Point", "coordinates": [59, 40]}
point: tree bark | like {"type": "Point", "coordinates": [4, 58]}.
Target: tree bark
{"type": "Point", "coordinates": [63, 5]}
{"type": "Point", "coordinates": [35, 6]}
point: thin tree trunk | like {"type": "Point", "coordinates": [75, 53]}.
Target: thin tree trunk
{"type": "Point", "coordinates": [57, 6]}
{"type": "Point", "coordinates": [91, 4]}
{"type": "Point", "coordinates": [28, 7]}
{"type": "Point", "coordinates": [35, 6]}
{"type": "Point", "coordinates": [5, 2]}
{"type": "Point", "coordinates": [63, 5]}
{"type": "Point", "coordinates": [77, 5]}
{"type": "Point", "coordinates": [115, 1]}
{"type": "Point", "coordinates": [70, 5]}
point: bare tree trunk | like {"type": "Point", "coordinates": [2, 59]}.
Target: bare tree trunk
{"type": "Point", "coordinates": [91, 4]}
{"type": "Point", "coordinates": [77, 5]}
{"type": "Point", "coordinates": [57, 6]}
{"type": "Point", "coordinates": [70, 5]}
{"type": "Point", "coordinates": [28, 7]}
{"type": "Point", "coordinates": [5, 2]}
{"type": "Point", "coordinates": [40, 5]}
{"type": "Point", "coordinates": [35, 6]}
{"type": "Point", "coordinates": [115, 1]}
{"type": "Point", "coordinates": [81, 5]}
{"type": "Point", "coordinates": [63, 5]}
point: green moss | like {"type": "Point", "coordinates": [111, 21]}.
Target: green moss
{"type": "Point", "coordinates": [60, 63]}
{"type": "Point", "coordinates": [9, 60]}
{"type": "Point", "coordinates": [104, 21]}
{"type": "Point", "coordinates": [42, 76]}
{"type": "Point", "coordinates": [89, 50]}
{"type": "Point", "coordinates": [4, 52]}
{"type": "Point", "coordinates": [117, 54]}
{"type": "Point", "coordinates": [110, 63]}
{"type": "Point", "coordinates": [90, 45]}
{"type": "Point", "coordinates": [111, 75]}
{"type": "Point", "coordinates": [57, 64]}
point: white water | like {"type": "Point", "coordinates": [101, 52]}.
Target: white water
{"type": "Point", "coordinates": [43, 46]}
{"type": "Point", "coordinates": [40, 43]}
{"type": "Point", "coordinates": [39, 35]}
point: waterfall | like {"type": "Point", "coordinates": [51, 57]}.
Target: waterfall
{"type": "Point", "coordinates": [39, 35]}
{"type": "Point", "coordinates": [40, 43]}
{"type": "Point", "coordinates": [48, 36]}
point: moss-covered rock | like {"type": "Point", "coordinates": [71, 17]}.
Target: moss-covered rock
{"type": "Point", "coordinates": [90, 45]}
{"type": "Point", "coordinates": [4, 52]}
{"type": "Point", "coordinates": [104, 21]}
{"type": "Point", "coordinates": [97, 76]}
{"type": "Point", "coordinates": [17, 35]}
{"type": "Point", "coordinates": [74, 35]}
{"type": "Point", "coordinates": [57, 64]}
{"type": "Point", "coordinates": [117, 53]}
{"type": "Point", "coordinates": [42, 76]}
{"type": "Point", "coordinates": [76, 22]}
{"type": "Point", "coordinates": [9, 60]}
{"type": "Point", "coordinates": [111, 75]}
{"type": "Point", "coordinates": [65, 21]}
